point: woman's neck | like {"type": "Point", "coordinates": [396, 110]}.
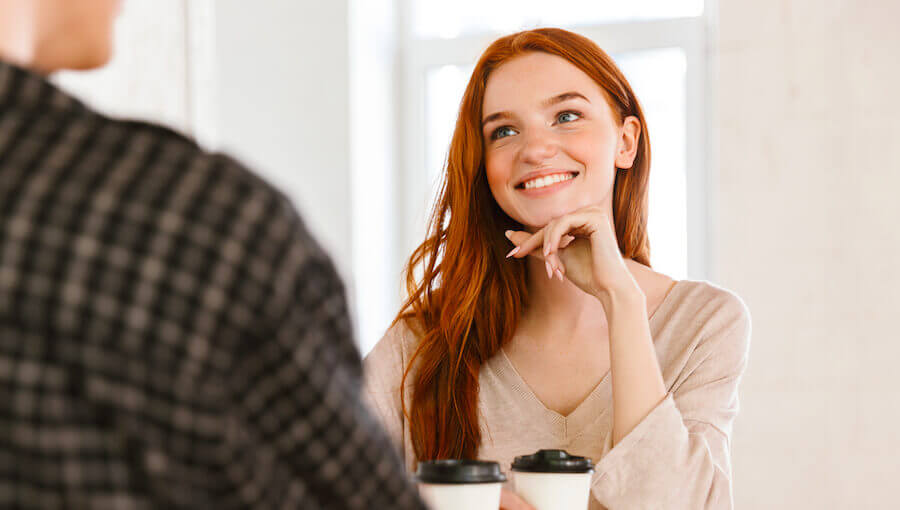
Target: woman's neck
{"type": "Point", "coordinates": [557, 309]}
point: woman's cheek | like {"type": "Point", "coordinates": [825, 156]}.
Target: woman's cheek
{"type": "Point", "coordinates": [586, 149]}
{"type": "Point", "coordinates": [498, 173]}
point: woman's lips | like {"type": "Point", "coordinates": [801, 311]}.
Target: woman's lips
{"type": "Point", "coordinates": [546, 190]}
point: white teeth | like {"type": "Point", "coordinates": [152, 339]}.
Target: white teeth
{"type": "Point", "coordinates": [542, 182]}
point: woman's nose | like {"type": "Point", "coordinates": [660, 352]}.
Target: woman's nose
{"type": "Point", "coordinates": [538, 148]}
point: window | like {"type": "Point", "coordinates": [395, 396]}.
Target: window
{"type": "Point", "coordinates": [660, 45]}
{"type": "Point", "coordinates": [450, 20]}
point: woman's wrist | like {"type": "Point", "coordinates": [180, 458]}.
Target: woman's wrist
{"type": "Point", "coordinates": [624, 296]}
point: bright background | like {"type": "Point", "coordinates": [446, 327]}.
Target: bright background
{"type": "Point", "coordinates": [775, 173]}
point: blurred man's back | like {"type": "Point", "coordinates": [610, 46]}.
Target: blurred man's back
{"type": "Point", "coordinates": [170, 335]}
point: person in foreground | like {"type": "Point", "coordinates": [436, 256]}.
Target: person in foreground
{"type": "Point", "coordinates": [537, 322]}
{"type": "Point", "coordinates": [170, 334]}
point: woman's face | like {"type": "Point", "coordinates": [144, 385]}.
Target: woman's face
{"type": "Point", "coordinates": [552, 142]}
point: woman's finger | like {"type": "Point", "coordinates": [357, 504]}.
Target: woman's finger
{"type": "Point", "coordinates": [556, 260]}
{"type": "Point", "coordinates": [525, 242]}
{"type": "Point", "coordinates": [559, 269]}
{"type": "Point", "coordinates": [554, 233]}
{"type": "Point", "coordinates": [527, 245]}
{"type": "Point", "coordinates": [518, 238]}
{"type": "Point", "coordinates": [578, 221]}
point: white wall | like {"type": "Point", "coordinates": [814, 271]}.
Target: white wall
{"type": "Point", "coordinates": [267, 82]}
{"type": "Point", "coordinates": [374, 167]}
{"type": "Point", "coordinates": [282, 91]}
{"type": "Point", "coordinates": [149, 76]}
{"type": "Point", "coordinates": [807, 216]}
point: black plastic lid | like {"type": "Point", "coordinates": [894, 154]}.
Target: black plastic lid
{"type": "Point", "coordinates": [552, 461]}
{"type": "Point", "coordinates": [459, 471]}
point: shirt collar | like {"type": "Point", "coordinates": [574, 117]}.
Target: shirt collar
{"type": "Point", "coordinates": [22, 88]}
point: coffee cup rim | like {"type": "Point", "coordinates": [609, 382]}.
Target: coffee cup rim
{"type": "Point", "coordinates": [552, 461]}
{"type": "Point", "coordinates": [459, 472]}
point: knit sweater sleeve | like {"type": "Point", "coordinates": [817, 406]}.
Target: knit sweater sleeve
{"type": "Point", "coordinates": [678, 456]}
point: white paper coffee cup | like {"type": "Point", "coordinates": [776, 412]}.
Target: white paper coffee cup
{"type": "Point", "coordinates": [553, 480]}
{"type": "Point", "coordinates": [455, 484]}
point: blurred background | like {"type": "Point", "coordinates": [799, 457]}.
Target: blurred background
{"type": "Point", "coordinates": [774, 127]}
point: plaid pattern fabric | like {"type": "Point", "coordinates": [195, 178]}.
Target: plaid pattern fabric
{"type": "Point", "coordinates": [170, 335]}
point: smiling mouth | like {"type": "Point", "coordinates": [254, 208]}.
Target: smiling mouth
{"type": "Point", "coordinates": [546, 180]}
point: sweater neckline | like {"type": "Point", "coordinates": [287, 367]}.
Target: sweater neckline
{"type": "Point", "coordinates": [593, 407]}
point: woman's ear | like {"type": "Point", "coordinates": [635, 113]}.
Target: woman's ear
{"type": "Point", "coordinates": [626, 150]}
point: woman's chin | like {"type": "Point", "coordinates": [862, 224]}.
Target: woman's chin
{"type": "Point", "coordinates": [535, 218]}
{"type": "Point", "coordinates": [540, 220]}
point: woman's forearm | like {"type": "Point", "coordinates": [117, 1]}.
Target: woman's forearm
{"type": "Point", "coordinates": [637, 383]}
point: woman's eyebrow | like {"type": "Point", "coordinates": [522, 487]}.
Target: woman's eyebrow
{"type": "Point", "coordinates": [496, 116]}
{"type": "Point", "coordinates": [565, 96]}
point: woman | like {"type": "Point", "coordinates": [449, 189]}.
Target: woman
{"type": "Point", "coordinates": [537, 321]}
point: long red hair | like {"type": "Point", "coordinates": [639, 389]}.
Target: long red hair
{"type": "Point", "coordinates": [465, 305]}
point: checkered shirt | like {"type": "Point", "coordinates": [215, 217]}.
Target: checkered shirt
{"type": "Point", "coordinates": [170, 334]}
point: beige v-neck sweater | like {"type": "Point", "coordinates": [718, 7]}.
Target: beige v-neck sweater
{"type": "Point", "coordinates": [678, 457]}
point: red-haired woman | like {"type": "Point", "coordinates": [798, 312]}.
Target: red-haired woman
{"type": "Point", "coordinates": [568, 340]}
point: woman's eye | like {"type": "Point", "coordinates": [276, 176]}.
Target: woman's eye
{"type": "Point", "coordinates": [567, 117]}
{"type": "Point", "coordinates": [502, 132]}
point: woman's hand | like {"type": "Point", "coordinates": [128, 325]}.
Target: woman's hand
{"type": "Point", "coordinates": [509, 500]}
{"type": "Point", "coordinates": [582, 247]}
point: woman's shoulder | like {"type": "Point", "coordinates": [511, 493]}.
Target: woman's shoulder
{"type": "Point", "coordinates": [689, 298]}
{"type": "Point", "coordinates": [394, 349]}
{"type": "Point", "coordinates": [706, 316]}
{"type": "Point", "coordinates": [712, 302]}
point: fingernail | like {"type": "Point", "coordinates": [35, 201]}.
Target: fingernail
{"type": "Point", "coordinates": [508, 234]}
{"type": "Point", "coordinates": [549, 269]}
{"type": "Point", "coordinates": [559, 275]}
{"type": "Point", "coordinates": [512, 252]}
